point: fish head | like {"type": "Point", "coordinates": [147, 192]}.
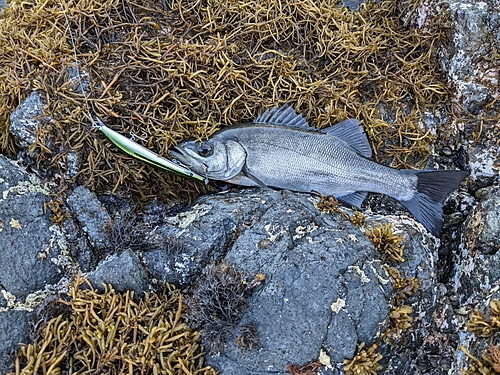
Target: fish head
{"type": "Point", "coordinates": [217, 159]}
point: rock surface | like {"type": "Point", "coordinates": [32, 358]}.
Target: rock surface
{"type": "Point", "coordinates": [92, 216]}
{"type": "Point", "coordinates": [14, 327]}
{"type": "Point", "coordinates": [311, 261]}
{"type": "Point", "coordinates": [29, 253]}
{"type": "Point", "coordinates": [25, 119]}
{"type": "Point", "coordinates": [26, 241]}
{"type": "Point", "coordinates": [124, 271]}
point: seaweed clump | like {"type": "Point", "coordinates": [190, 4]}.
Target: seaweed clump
{"type": "Point", "coordinates": [328, 205]}
{"type": "Point", "coordinates": [399, 315]}
{"type": "Point", "coordinates": [485, 324]}
{"type": "Point", "coordinates": [488, 364]}
{"type": "Point", "coordinates": [183, 69]}
{"type": "Point", "coordinates": [358, 219]}
{"type": "Point", "coordinates": [387, 242]}
{"type": "Point", "coordinates": [216, 304]}
{"type": "Point", "coordinates": [111, 333]}
{"type": "Point", "coordinates": [402, 287]}
{"type": "Point", "coordinates": [365, 362]}
{"type": "Point", "coordinates": [124, 233]}
{"type": "Point", "coordinates": [308, 369]}
{"type": "Point", "coordinates": [248, 337]}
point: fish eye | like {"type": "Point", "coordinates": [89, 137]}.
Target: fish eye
{"type": "Point", "coordinates": [204, 149]}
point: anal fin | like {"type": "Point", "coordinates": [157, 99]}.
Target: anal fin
{"type": "Point", "coordinates": [354, 199]}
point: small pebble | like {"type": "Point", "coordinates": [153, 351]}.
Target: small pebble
{"type": "Point", "coordinates": [481, 192]}
{"type": "Point", "coordinates": [446, 151]}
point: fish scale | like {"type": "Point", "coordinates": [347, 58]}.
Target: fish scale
{"type": "Point", "coordinates": [281, 158]}
{"type": "Point", "coordinates": [280, 150]}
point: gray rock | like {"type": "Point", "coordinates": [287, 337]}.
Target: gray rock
{"type": "Point", "coordinates": [474, 96]}
{"type": "Point", "coordinates": [26, 241]}
{"type": "Point", "coordinates": [124, 271]}
{"type": "Point", "coordinates": [310, 261]}
{"type": "Point", "coordinates": [25, 119]}
{"type": "Point", "coordinates": [483, 227]}
{"type": "Point", "coordinates": [193, 239]}
{"type": "Point", "coordinates": [470, 37]}
{"type": "Point", "coordinates": [483, 160]}
{"type": "Point", "coordinates": [80, 247]}
{"type": "Point", "coordinates": [91, 214]}
{"type": "Point", "coordinates": [3, 4]}
{"type": "Point", "coordinates": [14, 327]}
{"type": "Point", "coordinates": [477, 274]}
{"type": "Point", "coordinates": [352, 4]}
{"type": "Point", "coordinates": [72, 164]}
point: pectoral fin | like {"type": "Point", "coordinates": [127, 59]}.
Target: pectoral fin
{"type": "Point", "coordinates": [247, 173]}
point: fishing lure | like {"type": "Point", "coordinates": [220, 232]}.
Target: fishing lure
{"type": "Point", "coordinates": [143, 154]}
{"type": "Point", "coordinates": [125, 144]}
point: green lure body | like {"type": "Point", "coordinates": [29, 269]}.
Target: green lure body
{"type": "Point", "coordinates": [143, 154]}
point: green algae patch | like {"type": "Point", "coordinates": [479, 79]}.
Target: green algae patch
{"type": "Point", "coordinates": [113, 334]}
{"type": "Point", "coordinates": [184, 69]}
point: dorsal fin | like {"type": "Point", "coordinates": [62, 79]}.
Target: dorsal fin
{"type": "Point", "coordinates": [351, 132]}
{"type": "Point", "coordinates": [284, 115]}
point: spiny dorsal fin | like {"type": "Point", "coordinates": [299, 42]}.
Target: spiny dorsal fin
{"type": "Point", "coordinates": [351, 132]}
{"type": "Point", "coordinates": [284, 115]}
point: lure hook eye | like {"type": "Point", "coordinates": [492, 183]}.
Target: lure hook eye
{"type": "Point", "coordinates": [205, 149]}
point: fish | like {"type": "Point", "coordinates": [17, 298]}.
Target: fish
{"type": "Point", "coordinates": [280, 150]}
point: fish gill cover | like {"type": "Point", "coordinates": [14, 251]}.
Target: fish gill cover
{"type": "Point", "coordinates": [184, 69]}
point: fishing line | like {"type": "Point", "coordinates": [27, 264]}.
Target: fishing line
{"type": "Point", "coordinates": [128, 145]}
{"type": "Point", "coordinates": [77, 64]}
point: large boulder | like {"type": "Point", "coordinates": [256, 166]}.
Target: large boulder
{"type": "Point", "coordinates": [326, 286]}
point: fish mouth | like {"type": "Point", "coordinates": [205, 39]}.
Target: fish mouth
{"type": "Point", "coordinates": [180, 156]}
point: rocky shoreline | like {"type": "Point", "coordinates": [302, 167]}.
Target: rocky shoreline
{"type": "Point", "coordinates": [322, 287]}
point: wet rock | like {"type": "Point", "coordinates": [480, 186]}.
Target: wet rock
{"type": "Point", "coordinates": [192, 239]}
{"type": "Point", "coordinates": [25, 119]}
{"type": "Point", "coordinates": [124, 271]}
{"type": "Point", "coordinates": [311, 261]}
{"type": "Point", "coordinates": [28, 249]}
{"type": "Point", "coordinates": [471, 66]}
{"type": "Point", "coordinates": [14, 327]}
{"type": "Point", "coordinates": [484, 161]}
{"type": "Point", "coordinates": [482, 232]}
{"type": "Point", "coordinates": [91, 214]}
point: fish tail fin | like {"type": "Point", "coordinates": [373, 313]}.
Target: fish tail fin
{"type": "Point", "coordinates": [433, 187]}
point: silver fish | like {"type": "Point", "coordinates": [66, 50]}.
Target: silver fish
{"type": "Point", "coordinates": [280, 150]}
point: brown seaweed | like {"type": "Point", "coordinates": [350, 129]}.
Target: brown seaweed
{"type": "Point", "coordinates": [182, 70]}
